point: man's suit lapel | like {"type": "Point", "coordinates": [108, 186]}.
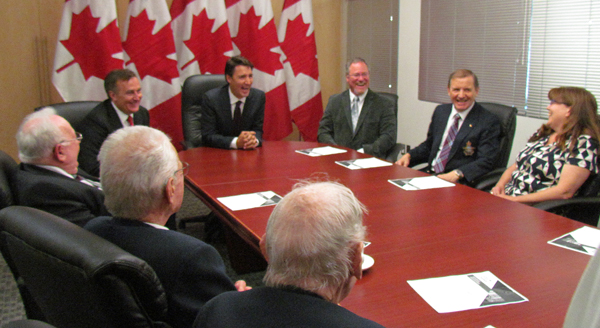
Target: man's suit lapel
{"type": "Point", "coordinates": [346, 107]}
{"type": "Point", "coordinates": [248, 110]}
{"type": "Point", "coordinates": [441, 124]}
{"type": "Point", "coordinates": [364, 112]}
{"type": "Point", "coordinates": [114, 122]}
{"type": "Point", "coordinates": [224, 107]}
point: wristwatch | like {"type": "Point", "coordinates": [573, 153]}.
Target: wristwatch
{"type": "Point", "coordinates": [459, 173]}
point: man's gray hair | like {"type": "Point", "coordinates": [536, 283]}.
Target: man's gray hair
{"type": "Point", "coordinates": [354, 61]}
{"type": "Point", "coordinates": [135, 165]}
{"type": "Point", "coordinates": [311, 236]}
{"type": "Point", "coordinates": [37, 135]}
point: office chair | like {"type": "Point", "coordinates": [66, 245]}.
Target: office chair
{"type": "Point", "coordinates": [75, 278]}
{"type": "Point", "coordinates": [398, 148]}
{"type": "Point", "coordinates": [584, 207]}
{"type": "Point", "coordinates": [73, 111]}
{"type": "Point", "coordinates": [193, 89]}
{"type": "Point", "coordinates": [27, 323]}
{"type": "Point", "coordinates": [8, 169]}
{"type": "Point", "coordinates": [508, 120]}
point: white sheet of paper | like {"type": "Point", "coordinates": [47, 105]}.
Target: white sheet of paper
{"type": "Point", "coordinates": [247, 201]}
{"type": "Point", "coordinates": [584, 240]}
{"type": "Point", "coordinates": [321, 151]}
{"type": "Point", "coordinates": [363, 163]}
{"type": "Point", "coordinates": [421, 183]}
{"type": "Point", "coordinates": [465, 292]}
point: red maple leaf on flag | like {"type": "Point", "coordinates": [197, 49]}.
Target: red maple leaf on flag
{"type": "Point", "coordinates": [208, 48]}
{"type": "Point", "coordinates": [229, 3]}
{"type": "Point", "coordinates": [289, 3]}
{"type": "Point", "coordinates": [149, 52]}
{"type": "Point", "coordinates": [256, 44]}
{"type": "Point", "coordinates": [301, 49]}
{"type": "Point", "coordinates": [92, 51]}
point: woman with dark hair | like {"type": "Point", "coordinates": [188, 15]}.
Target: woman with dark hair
{"type": "Point", "coordinates": [561, 155]}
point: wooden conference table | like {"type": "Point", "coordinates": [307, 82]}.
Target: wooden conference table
{"type": "Point", "coordinates": [414, 234]}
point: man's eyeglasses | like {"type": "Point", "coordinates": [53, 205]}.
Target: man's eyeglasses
{"type": "Point", "coordinates": [185, 168]}
{"type": "Point", "coordinates": [78, 138]}
{"type": "Point", "coordinates": [357, 75]}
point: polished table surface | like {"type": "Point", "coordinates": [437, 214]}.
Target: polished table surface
{"type": "Point", "coordinates": [414, 234]}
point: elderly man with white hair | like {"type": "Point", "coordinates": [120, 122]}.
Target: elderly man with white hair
{"type": "Point", "coordinates": [142, 178]}
{"type": "Point", "coordinates": [313, 245]}
{"type": "Point", "coordinates": [49, 177]}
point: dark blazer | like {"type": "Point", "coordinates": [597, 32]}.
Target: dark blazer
{"type": "Point", "coordinates": [96, 127]}
{"type": "Point", "coordinates": [217, 122]}
{"type": "Point", "coordinates": [481, 129]}
{"type": "Point", "coordinates": [191, 271]}
{"type": "Point", "coordinates": [266, 307]}
{"type": "Point", "coordinates": [57, 194]}
{"type": "Point", "coordinates": [376, 126]}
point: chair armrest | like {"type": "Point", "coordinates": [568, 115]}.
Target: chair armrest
{"type": "Point", "coordinates": [487, 181]}
{"type": "Point", "coordinates": [550, 205]}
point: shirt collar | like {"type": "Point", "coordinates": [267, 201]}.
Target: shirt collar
{"type": "Point", "coordinates": [157, 226]}
{"type": "Point", "coordinates": [233, 99]}
{"type": "Point", "coordinates": [361, 98]}
{"type": "Point", "coordinates": [463, 114]}
{"type": "Point", "coordinates": [122, 116]}
{"type": "Point", "coordinates": [56, 169]}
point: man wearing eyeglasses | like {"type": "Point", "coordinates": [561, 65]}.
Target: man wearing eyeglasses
{"type": "Point", "coordinates": [49, 177]}
{"type": "Point", "coordinates": [359, 118]}
{"type": "Point", "coordinates": [191, 271]}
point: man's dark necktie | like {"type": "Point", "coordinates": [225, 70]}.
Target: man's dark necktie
{"type": "Point", "coordinates": [237, 118]}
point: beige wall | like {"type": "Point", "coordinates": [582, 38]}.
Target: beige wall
{"type": "Point", "coordinates": [28, 33]}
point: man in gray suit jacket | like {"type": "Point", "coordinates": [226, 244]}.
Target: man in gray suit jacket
{"type": "Point", "coordinates": [359, 118]}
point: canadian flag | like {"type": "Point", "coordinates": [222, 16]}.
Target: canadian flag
{"type": "Point", "coordinates": [202, 36]}
{"type": "Point", "coordinates": [297, 40]}
{"type": "Point", "coordinates": [149, 50]}
{"type": "Point", "coordinates": [88, 48]}
{"type": "Point", "coordinates": [254, 36]}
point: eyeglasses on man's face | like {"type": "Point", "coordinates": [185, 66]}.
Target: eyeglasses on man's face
{"type": "Point", "coordinates": [78, 138]}
{"type": "Point", "coordinates": [185, 168]}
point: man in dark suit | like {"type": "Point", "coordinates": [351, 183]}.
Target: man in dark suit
{"type": "Point", "coordinates": [232, 116]}
{"type": "Point", "coordinates": [476, 135]}
{"type": "Point", "coordinates": [48, 177]}
{"type": "Point", "coordinates": [359, 118]}
{"type": "Point", "coordinates": [191, 271]}
{"type": "Point", "coordinates": [122, 108]}
{"type": "Point", "coordinates": [314, 245]}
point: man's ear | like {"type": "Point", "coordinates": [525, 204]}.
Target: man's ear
{"type": "Point", "coordinates": [263, 247]}
{"type": "Point", "coordinates": [170, 190]}
{"type": "Point", "coordinates": [111, 95]}
{"type": "Point", "coordinates": [58, 153]}
{"type": "Point", "coordinates": [357, 260]}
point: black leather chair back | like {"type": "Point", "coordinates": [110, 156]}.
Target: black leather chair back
{"type": "Point", "coordinates": [193, 89]}
{"type": "Point", "coordinates": [8, 169]}
{"type": "Point", "coordinates": [77, 278]}
{"type": "Point", "coordinates": [508, 119]}
{"type": "Point", "coordinates": [73, 111]}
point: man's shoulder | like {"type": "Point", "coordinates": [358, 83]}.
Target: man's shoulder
{"type": "Point", "coordinates": [256, 92]}
{"type": "Point", "coordinates": [98, 115]}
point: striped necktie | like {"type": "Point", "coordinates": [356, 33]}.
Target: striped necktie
{"type": "Point", "coordinates": [440, 164]}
